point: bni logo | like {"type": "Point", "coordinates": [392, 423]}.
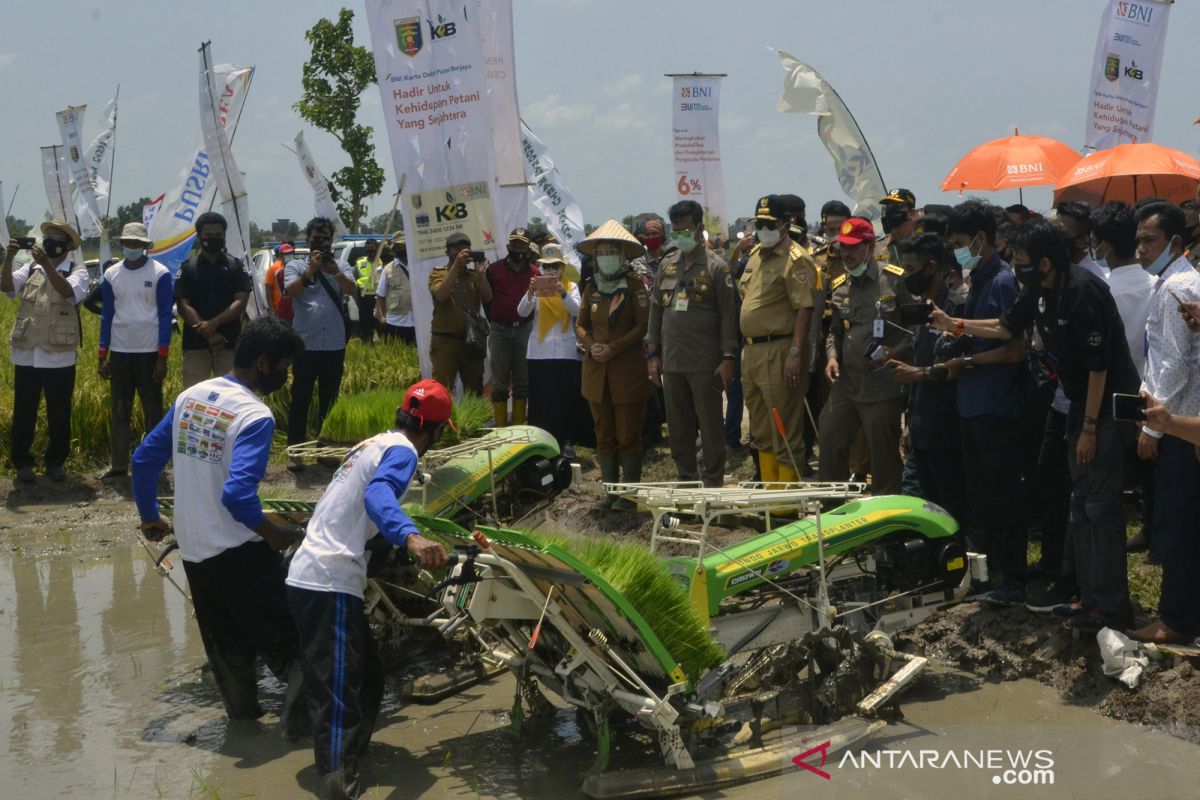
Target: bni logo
{"type": "Point", "coordinates": [695, 91]}
{"type": "Point", "coordinates": [1140, 13]}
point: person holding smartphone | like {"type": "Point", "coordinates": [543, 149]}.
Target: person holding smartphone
{"type": "Point", "coordinates": [509, 279]}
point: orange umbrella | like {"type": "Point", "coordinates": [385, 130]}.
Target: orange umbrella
{"type": "Point", "coordinates": [1011, 163]}
{"type": "Point", "coordinates": [1129, 172]}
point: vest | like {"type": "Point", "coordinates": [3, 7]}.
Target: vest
{"type": "Point", "coordinates": [365, 267]}
{"type": "Point", "coordinates": [45, 318]}
{"type": "Point", "coordinates": [399, 290]}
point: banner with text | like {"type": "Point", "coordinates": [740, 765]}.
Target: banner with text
{"type": "Point", "coordinates": [696, 118]}
{"type": "Point", "coordinates": [322, 200]}
{"type": "Point", "coordinates": [171, 217]}
{"type": "Point", "coordinates": [1126, 73]}
{"type": "Point", "coordinates": [496, 29]}
{"type": "Point", "coordinates": [58, 189]}
{"type": "Point", "coordinates": [100, 156]}
{"type": "Point", "coordinates": [551, 197]}
{"type": "Point", "coordinates": [83, 201]}
{"type": "Point", "coordinates": [230, 185]}
{"type": "Point", "coordinates": [429, 60]}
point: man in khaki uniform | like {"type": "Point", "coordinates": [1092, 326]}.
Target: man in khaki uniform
{"type": "Point", "coordinates": [461, 280]}
{"type": "Point", "coordinates": [864, 334]}
{"type": "Point", "coordinates": [899, 221]}
{"type": "Point", "coordinates": [776, 317]}
{"type": "Point", "coordinates": [692, 344]}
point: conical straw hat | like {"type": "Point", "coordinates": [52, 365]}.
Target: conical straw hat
{"type": "Point", "coordinates": [612, 231]}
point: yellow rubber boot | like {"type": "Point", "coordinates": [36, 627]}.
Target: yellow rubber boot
{"type": "Point", "coordinates": [766, 467]}
{"type": "Point", "coordinates": [786, 473]}
{"type": "Point", "coordinates": [518, 412]}
{"type": "Point", "coordinates": [500, 412]}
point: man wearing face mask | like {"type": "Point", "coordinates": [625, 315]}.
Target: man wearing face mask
{"type": "Point", "coordinates": [135, 336]}
{"type": "Point", "coordinates": [899, 220]}
{"type": "Point", "coordinates": [458, 289]}
{"type": "Point", "coordinates": [650, 230]}
{"type": "Point", "coordinates": [211, 293]}
{"type": "Point", "coordinates": [43, 343]}
{"type": "Point", "coordinates": [1075, 222]}
{"type": "Point", "coordinates": [217, 437]}
{"type": "Point", "coordinates": [865, 335]}
{"type": "Point", "coordinates": [508, 341]}
{"type": "Point", "coordinates": [691, 344]}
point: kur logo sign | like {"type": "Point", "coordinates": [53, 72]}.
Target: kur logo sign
{"type": "Point", "coordinates": [452, 211]}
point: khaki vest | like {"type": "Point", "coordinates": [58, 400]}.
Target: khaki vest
{"type": "Point", "coordinates": [45, 318]}
{"type": "Point", "coordinates": [399, 290]}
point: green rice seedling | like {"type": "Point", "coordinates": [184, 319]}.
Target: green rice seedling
{"type": "Point", "coordinates": [360, 416]}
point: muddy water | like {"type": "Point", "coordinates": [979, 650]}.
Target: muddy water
{"type": "Point", "coordinates": [101, 697]}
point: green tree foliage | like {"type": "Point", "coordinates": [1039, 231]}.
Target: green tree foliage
{"type": "Point", "coordinates": [129, 213]}
{"type": "Point", "coordinates": [335, 76]}
{"type": "Point", "coordinates": [17, 226]}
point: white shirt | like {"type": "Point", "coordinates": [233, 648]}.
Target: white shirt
{"type": "Point", "coordinates": [558, 344]}
{"type": "Point", "coordinates": [1132, 289]}
{"type": "Point", "coordinates": [1089, 263]}
{"type": "Point", "coordinates": [1172, 349]}
{"type": "Point", "coordinates": [398, 320]}
{"type": "Point", "coordinates": [37, 357]}
{"type": "Point", "coordinates": [135, 306]}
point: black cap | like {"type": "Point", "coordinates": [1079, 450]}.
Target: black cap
{"type": "Point", "coordinates": [458, 238]}
{"type": "Point", "coordinates": [900, 197]}
{"type": "Point", "coordinates": [771, 207]}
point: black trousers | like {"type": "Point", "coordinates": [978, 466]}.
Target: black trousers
{"type": "Point", "coordinates": [241, 610]}
{"type": "Point", "coordinates": [29, 384]}
{"type": "Point", "coordinates": [1177, 533]}
{"type": "Point", "coordinates": [129, 373]}
{"type": "Point", "coordinates": [343, 677]}
{"type": "Point", "coordinates": [1054, 496]}
{"type": "Point", "coordinates": [406, 335]}
{"type": "Point", "coordinates": [940, 474]}
{"type": "Point", "coordinates": [367, 324]}
{"type": "Point", "coordinates": [319, 368]}
{"type": "Point", "coordinates": [992, 464]}
{"type": "Point", "coordinates": [556, 401]}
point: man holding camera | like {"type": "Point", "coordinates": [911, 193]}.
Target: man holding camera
{"type": "Point", "coordinates": [458, 289]}
{"type": "Point", "coordinates": [44, 339]}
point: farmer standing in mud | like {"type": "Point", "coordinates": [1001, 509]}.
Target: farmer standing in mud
{"type": "Point", "coordinates": [218, 438]}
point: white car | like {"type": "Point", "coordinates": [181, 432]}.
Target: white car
{"type": "Point", "coordinates": [259, 303]}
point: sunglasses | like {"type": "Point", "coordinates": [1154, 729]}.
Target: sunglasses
{"type": "Point", "coordinates": [763, 224]}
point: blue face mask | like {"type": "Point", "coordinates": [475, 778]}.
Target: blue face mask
{"type": "Point", "coordinates": [133, 253]}
{"type": "Point", "coordinates": [858, 271]}
{"type": "Point", "coordinates": [1103, 262]}
{"type": "Point", "coordinates": [1160, 263]}
{"type": "Point", "coordinates": [965, 259]}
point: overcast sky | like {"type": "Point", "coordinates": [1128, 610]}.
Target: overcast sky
{"type": "Point", "coordinates": [926, 79]}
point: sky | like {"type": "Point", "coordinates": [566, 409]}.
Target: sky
{"type": "Point", "coordinates": [927, 80]}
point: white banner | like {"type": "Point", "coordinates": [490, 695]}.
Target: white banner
{"type": "Point", "coordinates": [1126, 73]}
{"type": "Point", "coordinates": [58, 190]}
{"type": "Point", "coordinates": [429, 60]}
{"type": "Point", "coordinates": [172, 216]}
{"type": "Point", "coordinates": [100, 156]}
{"type": "Point", "coordinates": [83, 201]}
{"type": "Point", "coordinates": [230, 186]}
{"type": "Point", "coordinates": [551, 197]}
{"type": "Point", "coordinates": [696, 102]}
{"type": "Point", "coordinates": [806, 92]}
{"type": "Point", "coordinates": [496, 23]}
{"type": "Point", "coordinates": [322, 199]}
{"type": "Point", "coordinates": [3, 219]}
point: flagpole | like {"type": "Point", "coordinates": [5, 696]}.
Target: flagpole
{"type": "Point", "coordinates": [11, 200]}
{"type": "Point", "coordinates": [112, 162]}
{"type": "Point", "coordinates": [236, 123]}
{"type": "Point", "coordinates": [204, 54]}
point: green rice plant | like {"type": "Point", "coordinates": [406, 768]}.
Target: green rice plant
{"type": "Point", "coordinates": [360, 416]}
{"type": "Point", "coordinates": [646, 583]}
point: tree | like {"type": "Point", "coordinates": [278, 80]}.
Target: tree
{"type": "Point", "coordinates": [259, 235]}
{"type": "Point", "coordinates": [335, 76]}
{"type": "Point", "coordinates": [17, 226]}
{"type": "Point", "coordinates": [379, 223]}
{"type": "Point", "coordinates": [130, 213]}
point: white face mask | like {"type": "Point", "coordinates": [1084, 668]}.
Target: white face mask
{"type": "Point", "coordinates": [133, 253]}
{"type": "Point", "coordinates": [609, 264]}
{"type": "Point", "coordinates": [769, 237]}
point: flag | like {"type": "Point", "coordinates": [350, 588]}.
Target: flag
{"type": "Point", "coordinates": [551, 197]}
{"type": "Point", "coordinates": [100, 156]}
{"type": "Point", "coordinates": [695, 119]}
{"type": "Point", "coordinates": [806, 92]}
{"type": "Point", "coordinates": [74, 162]}
{"type": "Point", "coordinates": [230, 186]}
{"type": "Point", "coordinates": [322, 199]}
{"type": "Point", "coordinates": [496, 31]}
{"type": "Point", "coordinates": [1126, 73]}
{"type": "Point", "coordinates": [58, 189]}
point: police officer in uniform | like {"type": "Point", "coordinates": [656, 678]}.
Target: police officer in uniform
{"type": "Point", "coordinates": [864, 334]}
{"type": "Point", "coordinates": [692, 344]}
{"type": "Point", "coordinates": [365, 278]}
{"type": "Point", "coordinates": [776, 318]}
{"type": "Point", "coordinates": [899, 221]}
{"type": "Point", "coordinates": [460, 283]}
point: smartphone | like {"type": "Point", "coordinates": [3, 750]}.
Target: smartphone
{"type": "Point", "coordinates": [26, 242]}
{"type": "Point", "coordinates": [478, 256]}
{"type": "Point", "coordinates": [1129, 407]}
{"type": "Point", "coordinates": [875, 351]}
{"type": "Point", "coordinates": [545, 285]}
{"type": "Point", "coordinates": [916, 313]}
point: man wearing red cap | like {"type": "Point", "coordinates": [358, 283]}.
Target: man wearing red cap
{"type": "Point", "coordinates": [343, 677]}
{"type": "Point", "coordinates": [864, 334]}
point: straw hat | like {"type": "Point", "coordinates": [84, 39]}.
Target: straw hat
{"type": "Point", "coordinates": [612, 231]}
{"type": "Point", "coordinates": [63, 227]}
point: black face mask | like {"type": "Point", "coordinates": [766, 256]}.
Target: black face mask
{"type": "Point", "coordinates": [54, 248]}
{"type": "Point", "coordinates": [894, 219]}
{"type": "Point", "coordinates": [213, 244]}
{"type": "Point", "coordinates": [918, 283]}
{"type": "Point", "coordinates": [1028, 276]}
{"type": "Point", "coordinates": [272, 381]}
{"type": "Point", "coordinates": [519, 258]}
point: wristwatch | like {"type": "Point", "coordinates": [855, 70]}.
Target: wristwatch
{"type": "Point", "coordinates": [793, 351]}
{"type": "Point", "coordinates": [968, 362]}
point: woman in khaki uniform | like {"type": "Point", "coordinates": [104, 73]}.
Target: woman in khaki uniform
{"type": "Point", "coordinates": [611, 325]}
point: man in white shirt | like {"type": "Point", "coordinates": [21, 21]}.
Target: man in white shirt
{"type": "Point", "coordinates": [1074, 220]}
{"type": "Point", "coordinates": [342, 674]}
{"type": "Point", "coordinates": [1172, 377]}
{"type": "Point", "coordinates": [217, 436]}
{"type": "Point", "coordinates": [44, 340]}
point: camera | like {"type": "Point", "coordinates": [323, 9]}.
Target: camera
{"type": "Point", "coordinates": [478, 256]}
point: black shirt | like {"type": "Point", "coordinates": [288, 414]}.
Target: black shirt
{"type": "Point", "coordinates": [933, 422]}
{"type": "Point", "coordinates": [209, 288]}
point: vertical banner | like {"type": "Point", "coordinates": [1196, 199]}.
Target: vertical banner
{"type": "Point", "coordinates": [225, 174]}
{"type": "Point", "coordinates": [322, 200]}
{"type": "Point", "coordinates": [58, 191]}
{"type": "Point", "coordinates": [806, 92]}
{"type": "Point", "coordinates": [695, 120]}
{"type": "Point", "coordinates": [83, 201]}
{"type": "Point", "coordinates": [3, 219]}
{"type": "Point", "coordinates": [171, 217]}
{"type": "Point", "coordinates": [496, 24]}
{"type": "Point", "coordinates": [551, 197]}
{"type": "Point", "coordinates": [1126, 72]}
{"type": "Point", "coordinates": [429, 60]}
{"type": "Point", "coordinates": [100, 157]}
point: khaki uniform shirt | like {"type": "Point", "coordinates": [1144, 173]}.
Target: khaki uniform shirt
{"type": "Point", "coordinates": [857, 303]}
{"type": "Point", "coordinates": [625, 371]}
{"type": "Point", "coordinates": [448, 316]}
{"type": "Point", "coordinates": [693, 312]}
{"type": "Point", "coordinates": [774, 286]}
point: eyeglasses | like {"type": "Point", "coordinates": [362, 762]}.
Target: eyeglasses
{"type": "Point", "coordinates": [763, 224]}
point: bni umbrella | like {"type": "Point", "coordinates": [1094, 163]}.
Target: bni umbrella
{"type": "Point", "coordinates": [1011, 163]}
{"type": "Point", "coordinates": [1129, 172]}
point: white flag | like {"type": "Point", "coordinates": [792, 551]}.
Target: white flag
{"type": "Point", "coordinates": [695, 117]}
{"type": "Point", "coordinates": [58, 189]}
{"type": "Point", "coordinates": [496, 29]}
{"type": "Point", "coordinates": [806, 92]}
{"type": "Point", "coordinates": [322, 199]}
{"type": "Point", "coordinates": [225, 175]}
{"type": "Point", "coordinates": [429, 61]}
{"type": "Point", "coordinates": [551, 197]}
{"type": "Point", "coordinates": [83, 201]}
{"type": "Point", "coordinates": [1126, 73]}
{"type": "Point", "coordinates": [3, 218]}
{"type": "Point", "coordinates": [100, 155]}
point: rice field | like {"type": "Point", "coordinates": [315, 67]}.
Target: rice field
{"type": "Point", "coordinates": [357, 416]}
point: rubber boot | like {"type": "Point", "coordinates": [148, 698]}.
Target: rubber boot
{"type": "Point", "coordinates": [766, 466]}
{"type": "Point", "coordinates": [500, 412]}
{"type": "Point", "coordinates": [518, 411]}
{"type": "Point", "coordinates": [608, 474]}
{"type": "Point", "coordinates": [785, 474]}
{"type": "Point", "coordinates": [631, 472]}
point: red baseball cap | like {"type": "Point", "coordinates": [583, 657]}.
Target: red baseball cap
{"type": "Point", "coordinates": [855, 231]}
{"type": "Point", "coordinates": [286, 248]}
{"type": "Point", "coordinates": [429, 402]}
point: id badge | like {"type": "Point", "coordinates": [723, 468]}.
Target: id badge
{"type": "Point", "coordinates": [681, 301]}
{"type": "Point", "coordinates": [877, 328]}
